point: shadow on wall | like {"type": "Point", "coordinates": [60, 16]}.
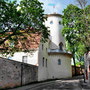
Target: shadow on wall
{"type": "Point", "coordinates": [13, 73]}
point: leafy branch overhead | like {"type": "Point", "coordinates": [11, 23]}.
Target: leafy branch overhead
{"type": "Point", "coordinates": [18, 20]}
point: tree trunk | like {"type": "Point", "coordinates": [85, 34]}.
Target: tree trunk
{"type": "Point", "coordinates": [80, 64]}
{"type": "Point", "coordinates": [74, 64]}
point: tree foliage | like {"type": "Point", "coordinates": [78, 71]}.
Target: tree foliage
{"type": "Point", "coordinates": [14, 22]}
{"type": "Point", "coordinates": [77, 27]}
{"type": "Point", "coordinates": [79, 63]}
{"type": "Point", "coordinates": [76, 30]}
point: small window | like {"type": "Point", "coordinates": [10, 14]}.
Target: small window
{"type": "Point", "coordinates": [43, 62]}
{"type": "Point", "coordinates": [51, 22]}
{"type": "Point", "coordinates": [42, 46]}
{"type": "Point", "coordinates": [46, 62]}
{"type": "Point", "coordinates": [46, 49]}
{"type": "Point", "coordinates": [59, 22]}
{"type": "Point", "coordinates": [24, 59]}
{"type": "Point", "coordinates": [59, 61]}
{"type": "Point", "coordinates": [61, 46]}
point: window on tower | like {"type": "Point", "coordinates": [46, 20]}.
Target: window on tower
{"type": "Point", "coordinates": [51, 22]}
{"type": "Point", "coordinates": [59, 22]}
{"type": "Point", "coordinates": [61, 46]}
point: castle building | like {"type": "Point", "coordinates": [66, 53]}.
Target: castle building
{"type": "Point", "coordinates": [51, 58]}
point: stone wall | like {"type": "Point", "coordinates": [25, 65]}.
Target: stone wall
{"type": "Point", "coordinates": [13, 73]}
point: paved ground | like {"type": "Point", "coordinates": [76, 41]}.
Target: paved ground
{"type": "Point", "coordinates": [75, 83]}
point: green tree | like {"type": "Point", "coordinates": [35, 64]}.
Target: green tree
{"type": "Point", "coordinates": [77, 29]}
{"type": "Point", "coordinates": [14, 22]}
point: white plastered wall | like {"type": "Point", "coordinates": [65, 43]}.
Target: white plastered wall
{"type": "Point", "coordinates": [55, 31]}
{"type": "Point", "coordinates": [53, 69]}
{"type": "Point", "coordinates": [32, 58]}
{"type": "Point", "coordinates": [59, 71]}
{"type": "Point", "coordinates": [43, 70]}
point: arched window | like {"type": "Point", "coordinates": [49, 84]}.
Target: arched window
{"type": "Point", "coordinates": [59, 61]}
{"type": "Point", "coordinates": [24, 59]}
{"type": "Point", "coordinates": [61, 46]}
{"type": "Point", "coordinates": [42, 46]}
{"type": "Point", "coordinates": [46, 62]}
{"type": "Point", "coordinates": [43, 62]}
{"type": "Point", "coordinates": [46, 49]}
{"type": "Point", "coordinates": [59, 22]}
{"type": "Point", "coordinates": [51, 22]}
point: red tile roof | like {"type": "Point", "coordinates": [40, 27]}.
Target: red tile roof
{"type": "Point", "coordinates": [26, 42]}
{"type": "Point", "coordinates": [32, 42]}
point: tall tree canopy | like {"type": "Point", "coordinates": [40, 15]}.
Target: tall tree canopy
{"type": "Point", "coordinates": [76, 22]}
{"type": "Point", "coordinates": [18, 20]}
{"type": "Point", "coordinates": [77, 26]}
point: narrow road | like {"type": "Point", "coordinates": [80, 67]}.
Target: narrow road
{"type": "Point", "coordinates": [62, 84]}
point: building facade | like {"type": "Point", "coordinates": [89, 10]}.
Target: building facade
{"type": "Point", "coordinates": [51, 58]}
{"type": "Point", "coordinates": [54, 62]}
{"type": "Point", "coordinates": [87, 67]}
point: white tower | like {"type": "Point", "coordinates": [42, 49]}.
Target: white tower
{"type": "Point", "coordinates": [55, 27]}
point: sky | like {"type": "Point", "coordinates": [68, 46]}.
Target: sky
{"type": "Point", "coordinates": [60, 5]}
